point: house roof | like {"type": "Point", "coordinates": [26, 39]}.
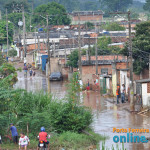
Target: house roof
{"type": "Point", "coordinates": [103, 60]}
{"type": "Point", "coordinates": [100, 62]}
{"type": "Point", "coordinates": [106, 57]}
{"type": "Point", "coordinates": [85, 13]}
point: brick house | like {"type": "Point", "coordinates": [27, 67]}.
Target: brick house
{"type": "Point", "coordinates": [105, 68]}
{"type": "Point", "coordinates": [113, 70]}
{"type": "Point", "coordinates": [87, 16]}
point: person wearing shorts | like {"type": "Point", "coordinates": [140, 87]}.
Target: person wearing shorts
{"type": "Point", "coordinates": [14, 133]}
{"type": "Point", "coordinates": [23, 142]}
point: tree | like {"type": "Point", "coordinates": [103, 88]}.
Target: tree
{"type": "Point", "coordinates": [12, 53]}
{"type": "Point", "coordinates": [147, 5]}
{"type": "Point", "coordinates": [1, 59]}
{"type": "Point", "coordinates": [89, 25]}
{"type": "Point", "coordinates": [3, 32]}
{"type": "Point", "coordinates": [73, 59]}
{"type": "Point", "coordinates": [16, 17]}
{"type": "Point", "coordinates": [141, 47]}
{"type": "Point", "coordinates": [113, 27]}
{"type": "Point", "coordinates": [56, 12]}
{"type": "Point", "coordinates": [116, 5]}
{"type": "Point", "coordinates": [16, 5]}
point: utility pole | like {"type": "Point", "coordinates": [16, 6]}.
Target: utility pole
{"type": "Point", "coordinates": [132, 107]}
{"type": "Point", "coordinates": [79, 50]}
{"type": "Point", "coordinates": [35, 48]}
{"type": "Point", "coordinates": [48, 46]}
{"type": "Point", "coordinates": [7, 29]}
{"type": "Point", "coordinates": [0, 14]}
{"type": "Point", "coordinates": [24, 32]}
{"type": "Point", "coordinates": [149, 65]}
{"type": "Point", "coordinates": [96, 51]}
{"type": "Point", "coordinates": [131, 65]}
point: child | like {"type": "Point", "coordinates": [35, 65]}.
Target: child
{"type": "Point", "coordinates": [23, 141]}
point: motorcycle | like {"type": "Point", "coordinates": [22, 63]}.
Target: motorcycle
{"type": "Point", "coordinates": [42, 145]}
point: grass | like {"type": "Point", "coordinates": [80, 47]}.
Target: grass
{"type": "Point", "coordinates": [67, 140]}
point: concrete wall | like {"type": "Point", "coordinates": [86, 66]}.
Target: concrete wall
{"type": "Point", "coordinates": [124, 79]}
{"type": "Point", "coordinates": [114, 79]}
{"type": "Point", "coordinates": [29, 58]}
{"type": "Point", "coordinates": [88, 71]}
{"type": "Point", "coordinates": [145, 95]}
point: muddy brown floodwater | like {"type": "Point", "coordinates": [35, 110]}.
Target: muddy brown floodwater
{"type": "Point", "coordinates": [106, 115]}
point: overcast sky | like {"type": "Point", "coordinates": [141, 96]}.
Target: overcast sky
{"type": "Point", "coordinates": [140, 0]}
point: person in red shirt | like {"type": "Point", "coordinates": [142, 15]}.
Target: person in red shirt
{"type": "Point", "coordinates": [43, 137]}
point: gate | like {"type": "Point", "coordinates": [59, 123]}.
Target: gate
{"type": "Point", "coordinates": [103, 89]}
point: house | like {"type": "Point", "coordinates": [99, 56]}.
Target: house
{"type": "Point", "coordinates": [87, 16]}
{"type": "Point", "coordinates": [107, 74]}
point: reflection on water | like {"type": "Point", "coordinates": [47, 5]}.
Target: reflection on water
{"type": "Point", "coordinates": [106, 115]}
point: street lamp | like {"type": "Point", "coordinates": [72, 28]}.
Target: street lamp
{"type": "Point", "coordinates": [20, 24]}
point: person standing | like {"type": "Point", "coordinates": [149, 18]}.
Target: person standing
{"type": "Point", "coordinates": [117, 93]}
{"type": "Point", "coordinates": [88, 85]}
{"type": "Point", "coordinates": [25, 70]}
{"type": "Point", "coordinates": [123, 93]}
{"type": "Point", "coordinates": [14, 133]}
{"type": "Point", "coordinates": [30, 72]}
{"type": "Point", "coordinates": [23, 141]}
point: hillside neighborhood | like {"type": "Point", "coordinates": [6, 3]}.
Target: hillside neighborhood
{"type": "Point", "coordinates": [74, 74]}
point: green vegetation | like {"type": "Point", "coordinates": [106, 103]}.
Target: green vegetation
{"type": "Point", "coordinates": [65, 119]}
{"type": "Point", "coordinates": [12, 53]}
{"type": "Point", "coordinates": [147, 5]}
{"type": "Point", "coordinates": [2, 60]}
{"type": "Point", "coordinates": [141, 47]}
{"type": "Point", "coordinates": [113, 27]}
{"type": "Point", "coordinates": [56, 12]}
{"type": "Point", "coordinates": [66, 140]}
{"type": "Point", "coordinates": [3, 32]}
{"type": "Point", "coordinates": [17, 4]}
{"type": "Point", "coordinates": [116, 5]}
{"type": "Point", "coordinates": [89, 25]}
{"type": "Point", "coordinates": [103, 47]}
{"type": "Point", "coordinates": [73, 59]}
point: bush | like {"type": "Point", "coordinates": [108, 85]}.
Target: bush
{"type": "Point", "coordinates": [12, 53]}
{"type": "Point", "coordinates": [67, 117]}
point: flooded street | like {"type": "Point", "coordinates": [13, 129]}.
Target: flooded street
{"type": "Point", "coordinates": [106, 115]}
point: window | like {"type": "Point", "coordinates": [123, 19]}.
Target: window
{"type": "Point", "coordinates": [104, 71]}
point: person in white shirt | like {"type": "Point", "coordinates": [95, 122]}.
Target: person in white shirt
{"type": "Point", "coordinates": [123, 93]}
{"type": "Point", "coordinates": [23, 141]}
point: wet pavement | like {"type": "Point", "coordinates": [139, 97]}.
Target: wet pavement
{"type": "Point", "coordinates": [106, 115]}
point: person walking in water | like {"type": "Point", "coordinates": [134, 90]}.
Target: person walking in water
{"type": "Point", "coordinates": [123, 93]}
{"type": "Point", "coordinates": [88, 85]}
{"type": "Point", "coordinates": [117, 93]}
{"type": "Point", "coordinates": [31, 72]}
{"type": "Point", "coordinates": [25, 70]}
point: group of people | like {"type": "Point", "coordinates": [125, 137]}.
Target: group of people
{"type": "Point", "coordinates": [28, 67]}
{"type": "Point", "coordinates": [122, 91]}
{"type": "Point", "coordinates": [88, 84]}
{"type": "Point", "coordinates": [24, 140]}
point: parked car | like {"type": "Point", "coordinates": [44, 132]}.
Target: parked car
{"type": "Point", "coordinates": [56, 76]}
